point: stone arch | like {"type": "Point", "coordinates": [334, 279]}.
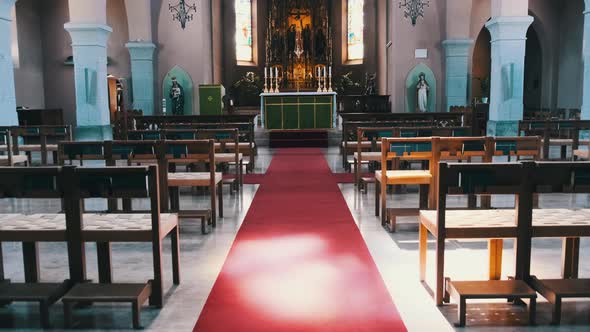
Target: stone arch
{"type": "Point", "coordinates": [481, 65]}
{"type": "Point", "coordinates": [185, 80]}
{"type": "Point", "coordinates": [533, 71]}
{"type": "Point", "coordinates": [410, 90]}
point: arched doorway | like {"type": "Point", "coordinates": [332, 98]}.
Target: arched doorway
{"type": "Point", "coordinates": [481, 67]}
{"type": "Point", "coordinates": [533, 72]}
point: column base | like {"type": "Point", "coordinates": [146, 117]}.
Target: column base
{"type": "Point", "coordinates": [94, 133]}
{"type": "Point", "coordinates": [502, 128]}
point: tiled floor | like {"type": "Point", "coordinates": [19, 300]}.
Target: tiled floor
{"type": "Point", "coordinates": [202, 258]}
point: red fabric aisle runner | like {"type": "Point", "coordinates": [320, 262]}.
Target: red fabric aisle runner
{"type": "Point", "coordinates": [299, 262]}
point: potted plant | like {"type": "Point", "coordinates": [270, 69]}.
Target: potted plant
{"type": "Point", "coordinates": [247, 89]}
{"type": "Point", "coordinates": [484, 85]}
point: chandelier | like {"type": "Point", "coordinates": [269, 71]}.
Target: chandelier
{"type": "Point", "coordinates": [414, 8]}
{"type": "Point", "coordinates": [181, 12]}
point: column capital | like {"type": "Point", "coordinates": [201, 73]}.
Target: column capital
{"type": "Point", "coordinates": [141, 50]}
{"type": "Point", "coordinates": [6, 9]}
{"type": "Point", "coordinates": [457, 47]}
{"type": "Point", "coordinates": [88, 34]}
{"type": "Point", "coordinates": [509, 27]}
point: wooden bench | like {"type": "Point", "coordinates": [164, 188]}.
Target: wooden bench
{"type": "Point", "coordinates": [562, 133]}
{"type": "Point", "coordinates": [42, 139]}
{"type": "Point", "coordinates": [408, 149]}
{"type": "Point", "coordinates": [104, 228]}
{"type": "Point", "coordinates": [193, 152]}
{"type": "Point", "coordinates": [9, 159]}
{"type": "Point", "coordinates": [37, 184]}
{"type": "Point", "coordinates": [494, 225]}
{"type": "Point", "coordinates": [570, 224]}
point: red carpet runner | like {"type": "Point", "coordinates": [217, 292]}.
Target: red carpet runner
{"type": "Point", "coordinates": [299, 262]}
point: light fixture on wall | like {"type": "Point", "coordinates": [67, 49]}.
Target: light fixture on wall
{"type": "Point", "coordinates": [414, 8]}
{"type": "Point", "coordinates": [181, 12]}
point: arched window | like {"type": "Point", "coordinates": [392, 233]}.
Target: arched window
{"type": "Point", "coordinates": [355, 27]}
{"type": "Point", "coordinates": [14, 40]}
{"type": "Point", "coordinates": [244, 35]}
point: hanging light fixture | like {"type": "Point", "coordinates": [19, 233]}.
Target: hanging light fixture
{"type": "Point", "coordinates": [181, 12]}
{"type": "Point", "coordinates": [414, 8]}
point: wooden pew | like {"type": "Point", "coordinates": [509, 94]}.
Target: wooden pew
{"type": "Point", "coordinates": [9, 159]}
{"type": "Point", "coordinates": [42, 139]}
{"type": "Point", "coordinates": [192, 152]}
{"type": "Point", "coordinates": [373, 136]}
{"type": "Point", "coordinates": [36, 184]}
{"type": "Point", "coordinates": [246, 142]}
{"type": "Point", "coordinates": [561, 133]}
{"type": "Point", "coordinates": [446, 223]}
{"type": "Point", "coordinates": [394, 150]}
{"type": "Point", "coordinates": [104, 228]}
{"type": "Point", "coordinates": [442, 148]}
{"type": "Point", "coordinates": [570, 224]}
{"type": "Point", "coordinates": [227, 152]}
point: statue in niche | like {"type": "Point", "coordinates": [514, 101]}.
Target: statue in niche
{"type": "Point", "coordinates": [320, 45]}
{"type": "Point", "coordinates": [371, 84]}
{"type": "Point", "coordinates": [291, 39]}
{"type": "Point", "coordinates": [306, 36]}
{"type": "Point", "coordinates": [177, 97]}
{"type": "Point", "coordinates": [422, 90]}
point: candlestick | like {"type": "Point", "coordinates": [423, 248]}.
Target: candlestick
{"type": "Point", "coordinates": [325, 79]}
{"type": "Point", "coordinates": [265, 80]}
{"type": "Point", "coordinates": [330, 81]}
{"type": "Point", "coordinates": [319, 81]}
{"type": "Point", "coordinates": [276, 80]}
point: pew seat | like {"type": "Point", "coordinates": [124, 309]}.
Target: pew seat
{"type": "Point", "coordinates": [36, 147]}
{"type": "Point", "coordinates": [368, 156]}
{"type": "Point", "coordinates": [405, 177]}
{"type": "Point", "coordinates": [111, 227]}
{"type": "Point", "coordinates": [502, 223]}
{"type": "Point", "coordinates": [15, 159]}
{"type": "Point", "coordinates": [227, 157]}
{"type": "Point", "coordinates": [192, 179]}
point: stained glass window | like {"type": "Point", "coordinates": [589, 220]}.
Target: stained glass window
{"type": "Point", "coordinates": [355, 38]}
{"type": "Point", "coordinates": [244, 30]}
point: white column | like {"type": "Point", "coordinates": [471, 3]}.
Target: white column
{"type": "Point", "coordinates": [142, 74]}
{"type": "Point", "coordinates": [507, 79]}
{"type": "Point", "coordinates": [89, 45]}
{"type": "Point", "coordinates": [8, 115]}
{"type": "Point", "coordinates": [586, 59]}
{"type": "Point", "coordinates": [457, 71]}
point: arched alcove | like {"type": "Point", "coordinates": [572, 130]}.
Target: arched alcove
{"type": "Point", "coordinates": [186, 82]}
{"type": "Point", "coordinates": [482, 65]}
{"type": "Point", "coordinates": [533, 72]}
{"type": "Point", "coordinates": [411, 93]}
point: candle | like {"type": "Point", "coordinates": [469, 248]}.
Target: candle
{"type": "Point", "coordinates": [324, 72]}
{"type": "Point", "coordinates": [265, 72]}
{"type": "Point", "coordinates": [271, 73]}
{"type": "Point", "coordinates": [319, 72]}
{"type": "Point", "coordinates": [330, 70]}
{"type": "Point", "coordinates": [276, 72]}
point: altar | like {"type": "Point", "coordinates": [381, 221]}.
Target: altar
{"type": "Point", "coordinates": [298, 110]}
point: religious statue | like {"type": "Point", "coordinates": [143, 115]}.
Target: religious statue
{"type": "Point", "coordinates": [291, 39]}
{"type": "Point", "coordinates": [306, 36]}
{"type": "Point", "coordinates": [177, 97]}
{"type": "Point", "coordinates": [422, 89]}
{"type": "Point", "coordinates": [320, 45]}
{"type": "Point", "coordinates": [371, 84]}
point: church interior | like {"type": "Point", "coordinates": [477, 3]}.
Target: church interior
{"type": "Point", "coordinates": [294, 165]}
